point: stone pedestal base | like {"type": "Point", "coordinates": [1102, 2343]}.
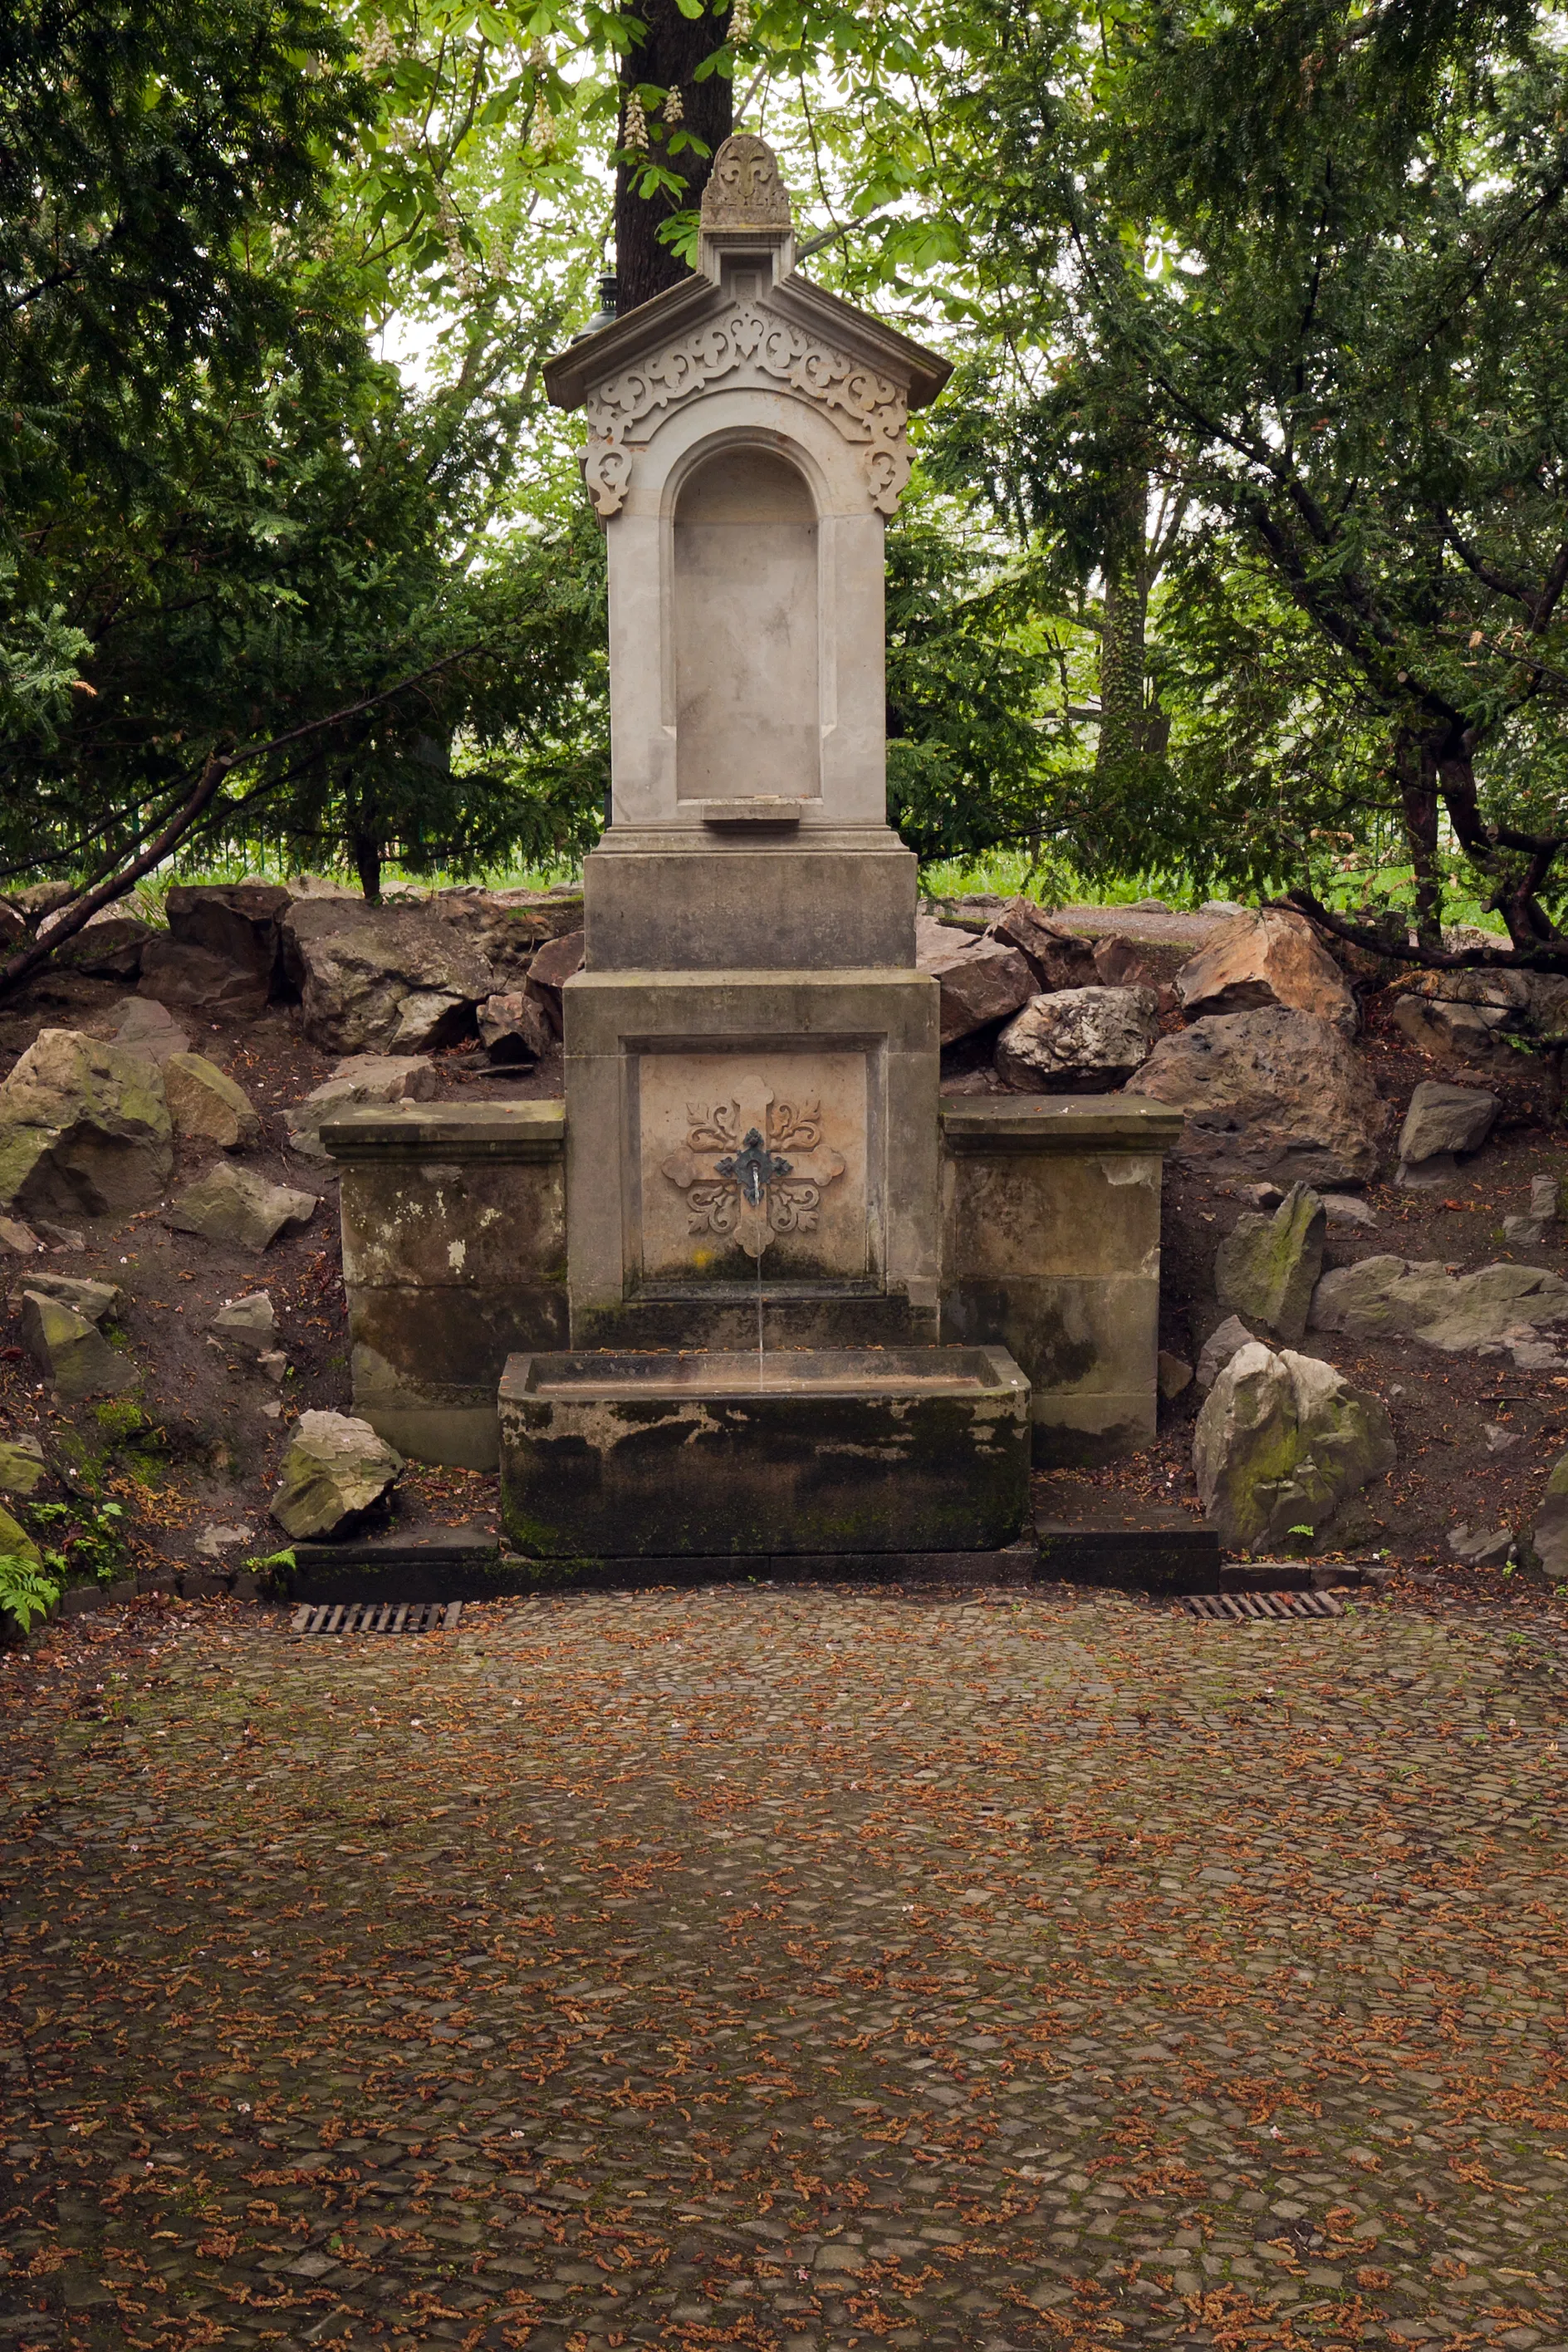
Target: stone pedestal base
{"type": "Point", "coordinates": [709, 900]}
{"type": "Point", "coordinates": [834, 1075]}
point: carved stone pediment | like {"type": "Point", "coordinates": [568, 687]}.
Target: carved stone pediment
{"type": "Point", "coordinates": [750, 345]}
{"type": "Point", "coordinates": [745, 319]}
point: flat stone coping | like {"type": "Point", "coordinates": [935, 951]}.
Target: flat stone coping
{"type": "Point", "coordinates": [780, 1372]}
{"type": "Point", "coordinates": [1009, 1124]}
{"type": "Point", "coordinates": [523, 1130]}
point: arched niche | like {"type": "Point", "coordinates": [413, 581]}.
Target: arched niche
{"type": "Point", "coordinates": [747, 667]}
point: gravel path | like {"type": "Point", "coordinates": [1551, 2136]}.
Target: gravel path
{"type": "Point", "coordinates": [796, 1969]}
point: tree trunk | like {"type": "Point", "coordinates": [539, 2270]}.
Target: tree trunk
{"type": "Point", "coordinates": [666, 58]}
{"type": "Point", "coordinates": [1123, 722]}
{"type": "Point", "coordinates": [366, 849]}
{"type": "Point", "coordinates": [1416, 769]}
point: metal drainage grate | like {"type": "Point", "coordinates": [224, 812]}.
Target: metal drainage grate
{"type": "Point", "coordinates": [377, 1617]}
{"type": "Point", "coordinates": [1237, 1608]}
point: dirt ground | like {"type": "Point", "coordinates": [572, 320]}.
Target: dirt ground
{"type": "Point", "coordinates": [214, 1427]}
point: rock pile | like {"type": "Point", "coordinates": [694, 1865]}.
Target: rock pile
{"type": "Point", "coordinates": [407, 977]}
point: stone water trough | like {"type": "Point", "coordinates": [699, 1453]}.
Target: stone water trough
{"type": "Point", "coordinates": [835, 1450]}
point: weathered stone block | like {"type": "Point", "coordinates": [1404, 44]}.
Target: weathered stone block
{"type": "Point", "coordinates": [1281, 1441]}
{"type": "Point", "coordinates": [336, 1469]}
{"type": "Point", "coordinates": [834, 1451]}
{"type": "Point", "coordinates": [1051, 1249]}
{"type": "Point", "coordinates": [72, 1353]}
{"type": "Point", "coordinates": [235, 1206]}
{"type": "Point", "coordinates": [1384, 1297]}
{"type": "Point", "coordinates": [1441, 1122]}
{"type": "Point", "coordinates": [454, 1259]}
{"type": "Point", "coordinates": [723, 906]}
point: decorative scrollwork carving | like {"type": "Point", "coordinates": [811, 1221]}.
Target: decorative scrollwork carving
{"type": "Point", "coordinates": [867, 409]}
{"type": "Point", "coordinates": [744, 189]}
{"type": "Point", "coordinates": [741, 1187]}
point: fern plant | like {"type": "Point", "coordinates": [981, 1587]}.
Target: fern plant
{"type": "Point", "coordinates": [26, 1591]}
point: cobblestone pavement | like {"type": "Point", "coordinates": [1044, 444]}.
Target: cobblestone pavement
{"type": "Point", "coordinates": [800, 1969]}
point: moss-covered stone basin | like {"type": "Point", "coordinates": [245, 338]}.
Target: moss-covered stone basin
{"type": "Point", "coordinates": [614, 1455]}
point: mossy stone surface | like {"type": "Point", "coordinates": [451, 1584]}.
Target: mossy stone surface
{"type": "Point", "coordinates": [1267, 1268]}
{"type": "Point", "coordinates": [591, 1470]}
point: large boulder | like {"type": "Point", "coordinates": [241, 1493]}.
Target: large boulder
{"type": "Point", "coordinates": [176, 973]}
{"type": "Point", "coordinates": [1277, 1093]}
{"type": "Point", "coordinates": [142, 1026]}
{"type": "Point", "coordinates": [1057, 957]}
{"type": "Point", "coordinates": [235, 921]}
{"type": "Point", "coordinates": [1271, 958]}
{"type": "Point", "coordinates": [84, 1128]}
{"type": "Point", "coordinates": [206, 1105]}
{"type": "Point", "coordinates": [1531, 1003]}
{"type": "Point", "coordinates": [71, 1352]}
{"type": "Point", "coordinates": [1280, 1443]}
{"type": "Point", "coordinates": [382, 979]}
{"type": "Point", "coordinates": [1464, 1036]}
{"type": "Point", "coordinates": [1267, 1267]}
{"type": "Point", "coordinates": [553, 966]}
{"type": "Point", "coordinates": [1471, 1019]}
{"type": "Point", "coordinates": [110, 945]}
{"type": "Point", "coordinates": [514, 1028]}
{"type": "Point", "coordinates": [1217, 1351]}
{"type": "Point", "coordinates": [1394, 1297]}
{"type": "Point", "coordinates": [981, 980]}
{"type": "Point", "coordinates": [1080, 1041]}
{"type": "Point", "coordinates": [360, 1079]}
{"type": "Point", "coordinates": [1441, 1121]}
{"type": "Point", "coordinates": [1549, 1537]}
{"type": "Point", "coordinates": [236, 1207]}
{"type": "Point", "coordinates": [91, 1300]}
{"type": "Point", "coordinates": [335, 1470]}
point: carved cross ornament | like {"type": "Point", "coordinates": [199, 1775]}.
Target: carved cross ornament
{"type": "Point", "coordinates": [752, 1173]}
{"type": "Point", "coordinates": [758, 347]}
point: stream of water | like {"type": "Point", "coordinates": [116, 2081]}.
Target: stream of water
{"type": "Point", "coordinates": [759, 1359]}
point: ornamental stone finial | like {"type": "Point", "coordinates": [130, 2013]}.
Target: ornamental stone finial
{"type": "Point", "coordinates": [744, 190]}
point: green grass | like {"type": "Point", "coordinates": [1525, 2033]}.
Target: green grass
{"type": "Point", "coordinates": [1010, 874]}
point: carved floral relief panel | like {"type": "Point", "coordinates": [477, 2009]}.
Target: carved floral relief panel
{"type": "Point", "coordinates": [753, 1162]}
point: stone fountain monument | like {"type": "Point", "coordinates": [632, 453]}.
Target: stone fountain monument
{"type": "Point", "coordinates": [753, 1293]}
